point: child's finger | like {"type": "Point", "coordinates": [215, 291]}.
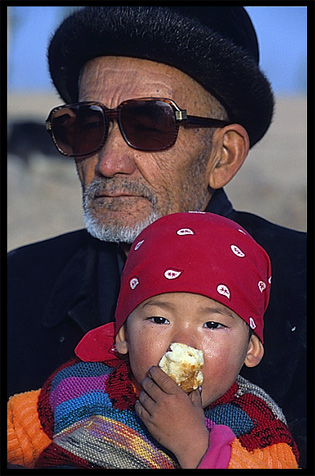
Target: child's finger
{"type": "Point", "coordinates": [163, 381]}
{"type": "Point", "coordinates": [195, 397]}
{"type": "Point", "coordinates": [141, 411]}
{"type": "Point", "coordinates": [146, 401]}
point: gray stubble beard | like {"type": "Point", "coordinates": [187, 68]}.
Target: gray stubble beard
{"type": "Point", "coordinates": [116, 232]}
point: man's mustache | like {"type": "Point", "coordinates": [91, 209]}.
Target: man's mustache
{"type": "Point", "coordinates": [99, 187]}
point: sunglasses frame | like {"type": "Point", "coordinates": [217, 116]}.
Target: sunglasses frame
{"type": "Point", "coordinates": [181, 119]}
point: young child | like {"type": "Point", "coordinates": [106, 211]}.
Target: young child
{"type": "Point", "coordinates": [193, 278]}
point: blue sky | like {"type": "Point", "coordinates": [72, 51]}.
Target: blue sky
{"type": "Point", "coordinates": [281, 34]}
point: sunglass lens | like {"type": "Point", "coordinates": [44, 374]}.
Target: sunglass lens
{"type": "Point", "coordinates": [79, 130]}
{"type": "Point", "coordinates": [148, 125]}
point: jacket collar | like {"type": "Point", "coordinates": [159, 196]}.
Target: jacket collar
{"type": "Point", "coordinates": [220, 204]}
{"type": "Point", "coordinates": [75, 293]}
{"type": "Point", "coordinates": [85, 293]}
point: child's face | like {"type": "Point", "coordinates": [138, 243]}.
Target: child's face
{"type": "Point", "coordinates": [194, 320]}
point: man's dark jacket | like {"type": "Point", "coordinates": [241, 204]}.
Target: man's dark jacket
{"type": "Point", "coordinates": [60, 288]}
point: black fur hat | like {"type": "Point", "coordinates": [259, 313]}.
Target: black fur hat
{"type": "Point", "coordinates": [216, 46]}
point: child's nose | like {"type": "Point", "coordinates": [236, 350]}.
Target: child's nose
{"type": "Point", "coordinates": [187, 338]}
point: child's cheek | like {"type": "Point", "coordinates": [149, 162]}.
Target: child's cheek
{"type": "Point", "coordinates": [146, 350]}
{"type": "Point", "coordinates": [220, 371]}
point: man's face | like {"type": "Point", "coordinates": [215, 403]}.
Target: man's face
{"type": "Point", "coordinates": [124, 189]}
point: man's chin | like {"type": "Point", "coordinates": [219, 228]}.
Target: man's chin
{"type": "Point", "coordinates": [116, 230]}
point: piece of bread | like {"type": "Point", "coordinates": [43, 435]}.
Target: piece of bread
{"type": "Point", "coordinates": [183, 364]}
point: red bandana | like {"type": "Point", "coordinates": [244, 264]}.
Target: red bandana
{"type": "Point", "coordinates": [193, 252]}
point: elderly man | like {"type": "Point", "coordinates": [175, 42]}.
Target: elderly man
{"type": "Point", "coordinates": [163, 105]}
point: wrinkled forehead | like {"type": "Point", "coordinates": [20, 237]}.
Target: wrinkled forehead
{"type": "Point", "coordinates": [122, 78]}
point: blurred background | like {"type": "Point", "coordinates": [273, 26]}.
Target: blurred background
{"type": "Point", "coordinates": [44, 194]}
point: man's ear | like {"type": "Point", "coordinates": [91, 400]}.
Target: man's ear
{"type": "Point", "coordinates": [231, 146]}
{"type": "Point", "coordinates": [255, 352]}
{"type": "Point", "coordinates": [121, 341]}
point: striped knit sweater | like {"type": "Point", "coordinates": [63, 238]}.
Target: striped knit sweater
{"type": "Point", "coordinates": [84, 417]}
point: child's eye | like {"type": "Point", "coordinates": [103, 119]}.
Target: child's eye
{"type": "Point", "coordinates": [213, 325]}
{"type": "Point", "coordinates": [159, 320]}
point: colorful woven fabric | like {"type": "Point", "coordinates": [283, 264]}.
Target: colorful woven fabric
{"type": "Point", "coordinates": [89, 410]}
{"type": "Point", "coordinates": [263, 440]}
{"type": "Point", "coordinates": [25, 436]}
{"type": "Point", "coordinates": [278, 456]}
{"type": "Point", "coordinates": [94, 421]}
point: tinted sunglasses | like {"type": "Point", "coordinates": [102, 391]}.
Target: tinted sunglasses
{"type": "Point", "coordinates": [148, 124]}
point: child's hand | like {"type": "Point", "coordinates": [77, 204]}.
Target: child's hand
{"type": "Point", "coordinates": [175, 419]}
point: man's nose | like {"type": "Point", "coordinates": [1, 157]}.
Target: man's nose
{"type": "Point", "coordinates": [116, 156]}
